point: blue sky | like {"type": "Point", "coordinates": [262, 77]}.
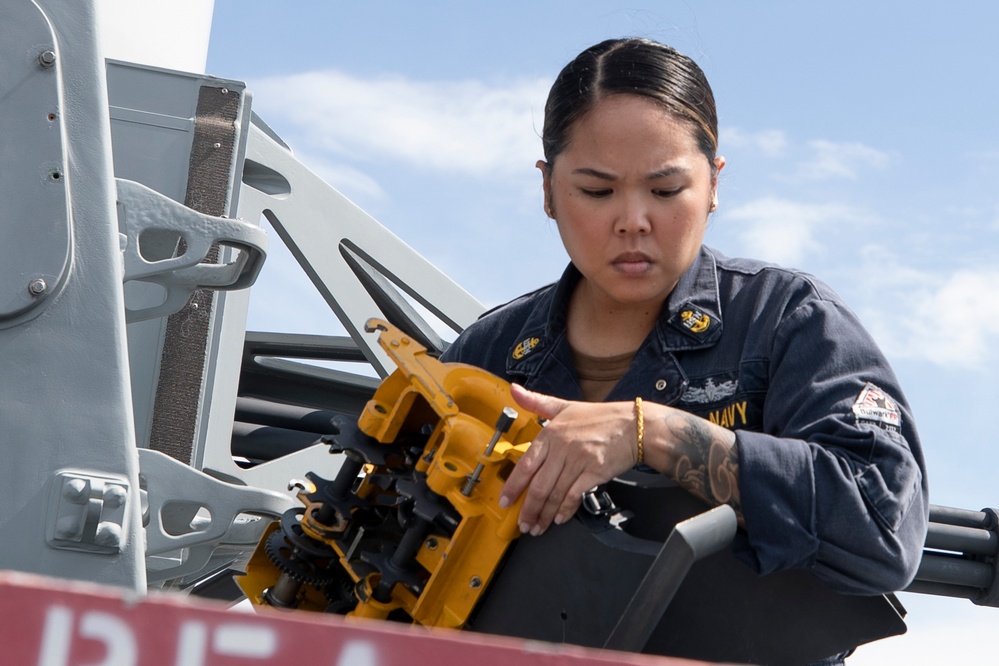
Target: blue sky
{"type": "Point", "coordinates": [862, 142]}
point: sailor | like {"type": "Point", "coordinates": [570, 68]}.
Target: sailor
{"type": "Point", "coordinates": [746, 383]}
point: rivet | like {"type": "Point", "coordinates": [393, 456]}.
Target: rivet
{"type": "Point", "coordinates": [108, 535]}
{"type": "Point", "coordinates": [55, 175]}
{"type": "Point", "coordinates": [432, 543]}
{"type": "Point", "coordinates": [76, 491]}
{"type": "Point", "coordinates": [661, 385]}
{"type": "Point", "coordinates": [37, 287]}
{"type": "Point", "coordinates": [68, 528]}
{"type": "Point", "coordinates": [475, 583]}
{"type": "Point", "coordinates": [47, 58]}
{"type": "Point", "coordinates": [225, 91]}
{"type": "Point", "coordinates": [217, 145]}
{"type": "Point", "coordinates": [114, 496]}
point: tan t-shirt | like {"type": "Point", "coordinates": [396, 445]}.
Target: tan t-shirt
{"type": "Point", "coordinates": [598, 375]}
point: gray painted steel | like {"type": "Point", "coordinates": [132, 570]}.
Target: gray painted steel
{"type": "Point", "coordinates": [65, 398]}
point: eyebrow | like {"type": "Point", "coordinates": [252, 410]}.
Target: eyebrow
{"type": "Point", "coordinates": [662, 173]}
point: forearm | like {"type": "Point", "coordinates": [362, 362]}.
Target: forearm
{"type": "Point", "coordinates": [700, 456]}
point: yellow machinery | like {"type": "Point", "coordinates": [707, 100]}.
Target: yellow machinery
{"type": "Point", "coordinates": [411, 527]}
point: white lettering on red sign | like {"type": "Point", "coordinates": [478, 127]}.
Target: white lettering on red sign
{"type": "Point", "coordinates": [196, 641]}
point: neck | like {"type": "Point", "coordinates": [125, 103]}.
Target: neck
{"type": "Point", "coordinates": [601, 327]}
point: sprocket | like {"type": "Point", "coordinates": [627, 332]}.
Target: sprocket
{"type": "Point", "coordinates": [299, 555]}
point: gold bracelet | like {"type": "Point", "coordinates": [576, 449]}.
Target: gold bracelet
{"type": "Point", "coordinates": [640, 424]}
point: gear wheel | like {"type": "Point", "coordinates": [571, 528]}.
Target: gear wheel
{"type": "Point", "coordinates": [299, 555]}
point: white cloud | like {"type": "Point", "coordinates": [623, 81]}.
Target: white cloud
{"type": "Point", "coordinates": [784, 232]}
{"type": "Point", "coordinates": [949, 320]}
{"type": "Point", "coordinates": [831, 160]}
{"type": "Point", "coordinates": [772, 143]}
{"type": "Point", "coordinates": [455, 126]}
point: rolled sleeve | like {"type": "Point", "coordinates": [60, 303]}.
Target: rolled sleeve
{"type": "Point", "coordinates": [822, 489]}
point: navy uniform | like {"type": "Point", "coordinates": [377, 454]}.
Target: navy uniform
{"type": "Point", "coordinates": [831, 473]}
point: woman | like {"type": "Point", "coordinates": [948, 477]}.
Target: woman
{"type": "Point", "coordinates": [746, 383]}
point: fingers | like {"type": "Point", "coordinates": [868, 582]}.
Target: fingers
{"type": "Point", "coordinates": [545, 406]}
{"type": "Point", "coordinates": [578, 449]}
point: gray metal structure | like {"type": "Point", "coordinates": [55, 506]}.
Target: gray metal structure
{"type": "Point", "coordinates": [130, 201]}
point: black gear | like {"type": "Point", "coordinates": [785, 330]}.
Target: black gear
{"type": "Point", "coordinates": [299, 555]}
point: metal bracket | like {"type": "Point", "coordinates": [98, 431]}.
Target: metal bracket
{"type": "Point", "coordinates": [167, 244]}
{"type": "Point", "coordinates": [178, 520]}
{"type": "Point", "coordinates": [87, 512]}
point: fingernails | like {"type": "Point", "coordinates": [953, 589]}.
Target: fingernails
{"type": "Point", "coordinates": [536, 530]}
{"type": "Point", "coordinates": [504, 501]}
{"type": "Point", "coordinates": [524, 528]}
{"type": "Point", "coordinates": [559, 519]}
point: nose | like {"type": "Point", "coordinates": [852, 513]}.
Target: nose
{"type": "Point", "coordinates": [633, 217]}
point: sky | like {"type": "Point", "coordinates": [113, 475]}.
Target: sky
{"type": "Point", "coordinates": [861, 143]}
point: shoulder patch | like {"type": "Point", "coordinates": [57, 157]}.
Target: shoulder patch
{"type": "Point", "coordinates": [878, 408]}
{"type": "Point", "coordinates": [525, 347]}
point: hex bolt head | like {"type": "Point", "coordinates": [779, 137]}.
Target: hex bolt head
{"type": "Point", "coordinates": [475, 583]}
{"type": "Point", "coordinates": [37, 287]}
{"type": "Point", "coordinates": [47, 58]}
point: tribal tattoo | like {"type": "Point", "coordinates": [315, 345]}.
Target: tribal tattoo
{"type": "Point", "coordinates": [705, 465]}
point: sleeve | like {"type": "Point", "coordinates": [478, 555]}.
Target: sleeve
{"type": "Point", "coordinates": [836, 481]}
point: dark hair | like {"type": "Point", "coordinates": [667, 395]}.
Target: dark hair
{"type": "Point", "coordinates": [630, 66]}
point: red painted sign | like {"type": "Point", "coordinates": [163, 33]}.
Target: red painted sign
{"type": "Point", "coordinates": [51, 622]}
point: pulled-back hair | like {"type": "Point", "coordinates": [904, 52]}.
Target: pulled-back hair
{"type": "Point", "coordinates": [630, 66]}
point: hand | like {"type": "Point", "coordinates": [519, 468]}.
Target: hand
{"type": "Point", "coordinates": [583, 445]}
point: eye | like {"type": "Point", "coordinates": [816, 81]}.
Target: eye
{"type": "Point", "coordinates": [667, 193]}
{"type": "Point", "coordinates": [598, 193]}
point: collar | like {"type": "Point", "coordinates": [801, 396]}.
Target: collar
{"type": "Point", "coordinates": [690, 319]}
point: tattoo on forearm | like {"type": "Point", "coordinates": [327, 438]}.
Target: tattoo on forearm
{"type": "Point", "coordinates": [705, 465]}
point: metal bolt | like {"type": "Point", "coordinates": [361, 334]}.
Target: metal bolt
{"type": "Point", "coordinates": [506, 419]}
{"type": "Point", "coordinates": [108, 534]}
{"type": "Point", "coordinates": [114, 496]}
{"type": "Point", "coordinates": [68, 528]}
{"type": "Point", "coordinates": [225, 91]}
{"type": "Point", "coordinates": [432, 543]}
{"type": "Point", "coordinates": [37, 287]}
{"type": "Point", "coordinates": [47, 58]}
{"type": "Point", "coordinates": [76, 491]}
{"type": "Point", "coordinates": [475, 583]}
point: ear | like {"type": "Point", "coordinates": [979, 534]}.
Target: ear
{"type": "Point", "coordinates": [546, 186]}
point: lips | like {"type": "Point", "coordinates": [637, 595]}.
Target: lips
{"type": "Point", "coordinates": [632, 263]}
